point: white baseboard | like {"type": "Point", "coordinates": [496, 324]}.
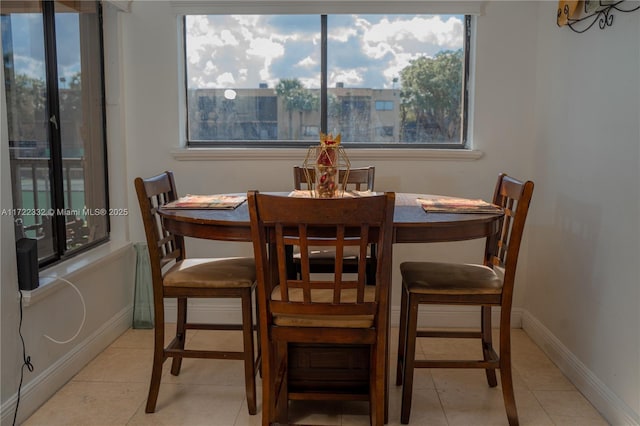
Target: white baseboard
{"type": "Point", "coordinates": [37, 391]}
{"type": "Point", "coordinates": [612, 408]}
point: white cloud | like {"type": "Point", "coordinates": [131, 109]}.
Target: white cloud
{"type": "Point", "coordinates": [228, 39]}
{"type": "Point", "coordinates": [311, 82]}
{"type": "Point", "coordinates": [265, 48]}
{"type": "Point", "coordinates": [268, 50]}
{"type": "Point", "coordinates": [307, 62]}
{"type": "Point", "coordinates": [225, 79]}
{"type": "Point", "coordinates": [32, 67]}
{"type": "Point", "coordinates": [350, 77]}
{"type": "Point", "coordinates": [404, 34]}
{"type": "Point", "coordinates": [396, 65]}
{"type": "Point", "coordinates": [265, 75]}
{"type": "Point", "coordinates": [247, 20]}
{"type": "Point", "coordinates": [341, 34]}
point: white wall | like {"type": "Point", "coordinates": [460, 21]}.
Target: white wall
{"type": "Point", "coordinates": [583, 280]}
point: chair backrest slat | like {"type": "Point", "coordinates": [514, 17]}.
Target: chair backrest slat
{"type": "Point", "coordinates": [163, 246]}
{"type": "Point", "coordinates": [282, 222]}
{"type": "Point", "coordinates": [514, 197]}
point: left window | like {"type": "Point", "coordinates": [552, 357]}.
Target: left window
{"type": "Point", "coordinates": [52, 58]}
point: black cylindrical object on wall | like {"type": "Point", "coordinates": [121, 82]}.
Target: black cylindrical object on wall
{"type": "Point", "coordinates": [27, 257]}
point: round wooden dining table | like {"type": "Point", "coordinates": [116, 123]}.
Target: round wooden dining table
{"type": "Point", "coordinates": [346, 367]}
{"type": "Point", "coordinates": [411, 224]}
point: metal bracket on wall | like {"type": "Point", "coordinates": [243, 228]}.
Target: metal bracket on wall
{"type": "Point", "coordinates": [593, 11]}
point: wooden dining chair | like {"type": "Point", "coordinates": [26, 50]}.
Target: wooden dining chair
{"type": "Point", "coordinates": [310, 310]}
{"type": "Point", "coordinates": [322, 259]}
{"type": "Point", "coordinates": [176, 276]}
{"type": "Point", "coordinates": [486, 285]}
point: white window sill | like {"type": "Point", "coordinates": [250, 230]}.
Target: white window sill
{"type": "Point", "coordinates": [227, 154]}
{"type": "Point", "coordinates": [50, 278]}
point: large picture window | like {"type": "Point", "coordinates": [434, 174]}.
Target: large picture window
{"type": "Point", "coordinates": [52, 58]}
{"type": "Point", "coordinates": [381, 80]}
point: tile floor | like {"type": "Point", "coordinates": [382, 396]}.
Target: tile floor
{"type": "Point", "coordinates": [112, 390]}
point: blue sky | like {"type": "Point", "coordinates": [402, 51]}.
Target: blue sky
{"type": "Point", "coordinates": [242, 51]}
{"type": "Point", "coordinates": [27, 44]}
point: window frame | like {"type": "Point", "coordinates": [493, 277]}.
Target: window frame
{"type": "Point", "coordinates": [468, 9]}
{"type": "Point", "coordinates": [55, 141]}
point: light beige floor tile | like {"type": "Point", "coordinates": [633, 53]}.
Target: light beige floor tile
{"type": "Point", "coordinates": [193, 405]}
{"type": "Point", "coordinates": [246, 419]}
{"type": "Point", "coordinates": [91, 403]}
{"type": "Point", "coordinates": [486, 407]}
{"type": "Point", "coordinates": [426, 408]}
{"type": "Point", "coordinates": [530, 357]}
{"type": "Point", "coordinates": [450, 348]}
{"type": "Point", "coordinates": [530, 411]}
{"type": "Point", "coordinates": [118, 365]}
{"type": "Point", "coordinates": [444, 378]}
{"type": "Point", "coordinates": [578, 421]}
{"type": "Point", "coordinates": [220, 372]}
{"type": "Point", "coordinates": [534, 368]}
{"type": "Point", "coordinates": [422, 378]}
{"type": "Point", "coordinates": [473, 406]}
{"type": "Point", "coordinates": [355, 413]}
{"type": "Point", "coordinates": [216, 340]}
{"type": "Point", "coordinates": [326, 413]}
{"type": "Point", "coordinates": [549, 378]}
{"type": "Point", "coordinates": [134, 339]}
{"type": "Point", "coordinates": [566, 404]}
{"type": "Point", "coordinates": [522, 343]}
{"type": "Point", "coordinates": [143, 339]}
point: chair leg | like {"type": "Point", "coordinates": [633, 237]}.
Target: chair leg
{"type": "Point", "coordinates": [506, 378]}
{"type": "Point", "coordinates": [268, 385]}
{"type": "Point", "coordinates": [508, 395]}
{"type": "Point", "coordinates": [249, 363]}
{"type": "Point", "coordinates": [387, 366]}
{"type": "Point", "coordinates": [402, 338]}
{"type": "Point", "coordinates": [180, 333]}
{"type": "Point", "coordinates": [282, 387]}
{"type": "Point", "coordinates": [377, 383]}
{"type": "Point", "coordinates": [258, 360]}
{"type": "Point", "coordinates": [156, 369]}
{"type": "Point", "coordinates": [409, 359]}
{"type": "Point", "coordinates": [487, 344]}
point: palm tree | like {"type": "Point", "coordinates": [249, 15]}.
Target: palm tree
{"type": "Point", "coordinates": [292, 93]}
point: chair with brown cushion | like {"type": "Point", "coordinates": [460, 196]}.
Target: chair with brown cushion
{"type": "Point", "coordinates": [322, 259]}
{"type": "Point", "coordinates": [310, 310]}
{"type": "Point", "coordinates": [486, 285]}
{"type": "Point", "coordinates": [175, 276]}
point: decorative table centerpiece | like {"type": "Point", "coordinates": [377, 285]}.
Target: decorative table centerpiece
{"type": "Point", "coordinates": [327, 167]}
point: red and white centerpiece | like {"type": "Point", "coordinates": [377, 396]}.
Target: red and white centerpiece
{"type": "Point", "coordinates": [331, 167]}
